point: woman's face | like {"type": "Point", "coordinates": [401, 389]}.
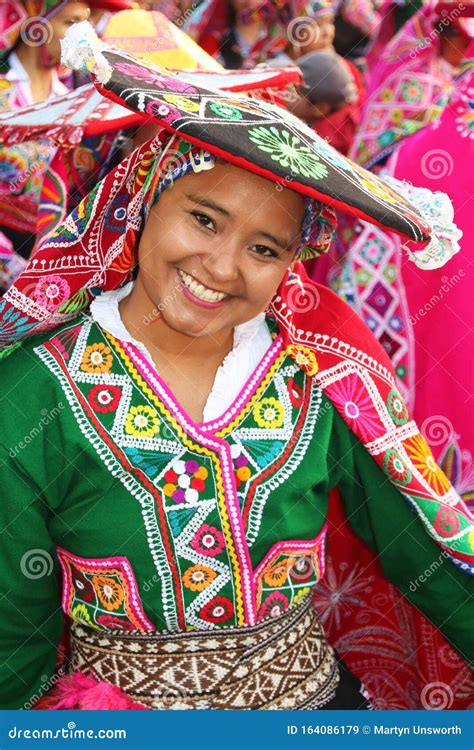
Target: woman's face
{"type": "Point", "coordinates": [215, 248]}
{"type": "Point", "coordinates": [250, 5]}
{"type": "Point", "coordinates": [312, 35]}
{"type": "Point", "coordinates": [58, 25]}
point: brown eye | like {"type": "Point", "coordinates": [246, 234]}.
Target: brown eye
{"type": "Point", "coordinates": [265, 251]}
{"type": "Point", "coordinates": [204, 220]}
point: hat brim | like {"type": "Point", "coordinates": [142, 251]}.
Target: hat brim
{"type": "Point", "coordinates": [260, 138]}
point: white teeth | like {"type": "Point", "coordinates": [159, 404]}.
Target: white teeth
{"type": "Point", "coordinates": [200, 291]}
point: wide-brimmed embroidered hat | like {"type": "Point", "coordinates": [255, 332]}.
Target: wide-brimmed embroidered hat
{"type": "Point", "coordinates": [257, 136]}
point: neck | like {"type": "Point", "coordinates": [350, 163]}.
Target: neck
{"type": "Point", "coordinates": [250, 30]}
{"type": "Point", "coordinates": [40, 77]}
{"type": "Point", "coordinates": [147, 324]}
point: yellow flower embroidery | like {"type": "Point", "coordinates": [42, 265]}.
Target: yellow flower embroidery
{"type": "Point", "coordinates": [301, 594]}
{"type": "Point", "coordinates": [198, 577]}
{"type": "Point", "coordinates": [142, 421]}
{"type": "Point", "coordinates": [81, 614]}
{"type": "Point", "coordinates": [97, 359]}
{"type": "Point", "coordinates": [269, 413]}
{"type": "Point", "coordinates": [419, 452]}
{"type": "Point", "coordinates": [470, 539]}
{"type": "Point", "coordinates": [304, 357]}
{"type": "Point", "coordinates": [110, 592]}
{"type": "Point", "coordinates": [181, 102]}
{"type": "Point", "coordinates": [397, 115]}
{"type": "Point", "coordinates": [375, 189]}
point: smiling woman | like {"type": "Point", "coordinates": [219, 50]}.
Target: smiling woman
{"type": "Point", "coordinates": [214, 397]}
{"type": "Point", "coordinates": [216, 263]}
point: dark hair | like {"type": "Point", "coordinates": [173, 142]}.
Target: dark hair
{"type": "Point", "coordinates": [229, 48]}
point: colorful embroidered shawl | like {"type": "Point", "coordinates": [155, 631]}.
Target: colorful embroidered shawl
{"type": "Point", "coordinates": [442, 299]}
{"type": "Point", "coordinates": [408, 88]}
{"type": "Point", "coordinates": [407, 309]}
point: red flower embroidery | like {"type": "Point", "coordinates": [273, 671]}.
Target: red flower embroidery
{"type": "Point", "coordinates": [395, 467]}
{"type": "Point", "coordinates": [274, 605]}
{"type": "Point", "coordinates": [105, 398]}
{"type": "Point", "coordinates": [219, 609]}
{"type": "Point", "coordinates": [447, 522]}
{"type": "Point", "coordinates": [115, 623]}
{"type": "Point", "coordinates": [82, 585]}
{"type": "Point", "coordinates": [208, 541]}
{"type": "Point", "coordinates": [295, 392]}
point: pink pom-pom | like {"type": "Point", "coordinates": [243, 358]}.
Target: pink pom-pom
{"type": "Point", "coordinates": [77, 691]}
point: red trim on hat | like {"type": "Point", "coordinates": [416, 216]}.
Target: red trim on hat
{"type": "Point", "coordinates": [113, 5]}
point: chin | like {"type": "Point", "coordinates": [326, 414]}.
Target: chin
{"type": "Point", "coordinates": [186, 325]}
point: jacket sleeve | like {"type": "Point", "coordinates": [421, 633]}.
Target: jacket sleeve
{"type": "Point", "coordinates": [32, 481]}
{"type": "Point", "coordinates": [31, 618]}
{"type": "Point", "coordinates": [410, 558]}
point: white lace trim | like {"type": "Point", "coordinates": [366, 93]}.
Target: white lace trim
{"type": "Point", "coordinates": [81, 50]}
{"type": "Point", "coordinates": [437, 210]}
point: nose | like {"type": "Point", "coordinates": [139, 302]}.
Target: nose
{"type": "Point", "coordinates": [222, 265]}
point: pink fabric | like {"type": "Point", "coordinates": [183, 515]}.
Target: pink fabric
{"type": "Point", "coordinates": [385, 31]}
{"type": "Point", "coordinates": [409, 86]}
{"type": "Point", "coordinates": [77, 691]}
{"type": "Point", "coordinates": [440, 301]}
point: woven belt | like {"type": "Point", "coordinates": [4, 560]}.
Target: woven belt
{"type": "Point", "coordinates": [284, 662]}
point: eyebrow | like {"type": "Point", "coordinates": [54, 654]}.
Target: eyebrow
{"type": "Point", "coordinates": [203, 201]}
{"type": "Point", "coordinates": [277, 240]}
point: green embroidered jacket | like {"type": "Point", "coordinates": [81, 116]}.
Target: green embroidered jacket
{"type": "Point", "coordinates": [121, 512]}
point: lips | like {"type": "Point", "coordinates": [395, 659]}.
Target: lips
{"type": "Point", "coordinates": [201, 292]}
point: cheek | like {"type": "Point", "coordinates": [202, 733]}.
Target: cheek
{"type": "Point", "coordinates": [167, 241]}
{"type": "Point", "coordinates": [262, 284]}
{"type": "Point", "coordinates": [53, 44]}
